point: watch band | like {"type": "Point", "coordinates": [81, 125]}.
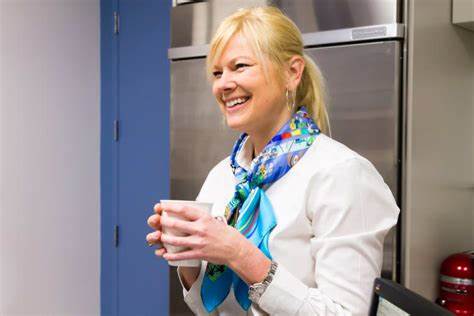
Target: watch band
{"type": "Point", "coordinates": [256, 290]}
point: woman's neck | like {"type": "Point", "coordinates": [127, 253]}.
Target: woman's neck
{"type": "Point", "coordinates": [260, 140]}
{"type": "Point", "coordinates": [264, 134]}
{"type": "Point", "coordinates": [258, 146]}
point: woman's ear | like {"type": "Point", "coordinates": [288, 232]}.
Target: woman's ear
{"type": "Point", "coordinates": [295, 71]}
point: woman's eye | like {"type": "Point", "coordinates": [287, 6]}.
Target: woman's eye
{"type": "Point", "coordinates": [240, 65]}
{"type": "Point", "coordinates": [217, 74]}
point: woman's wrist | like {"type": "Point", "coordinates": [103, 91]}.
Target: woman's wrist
{"type": "Point", "coordinates": [250, 263]}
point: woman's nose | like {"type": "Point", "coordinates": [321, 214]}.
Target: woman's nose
{"type": "Point", "coordinates": [226, 82]}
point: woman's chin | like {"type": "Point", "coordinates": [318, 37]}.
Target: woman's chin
{"type": "Point", "coordinates": [235, 124]}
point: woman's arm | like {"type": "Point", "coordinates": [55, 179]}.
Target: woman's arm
{"type": "Point", "coordinates": [351, 210]}
{"type": "Point", "coordinates": [250, 264]}
{"type": "Point", "coordinates": [253, 269]}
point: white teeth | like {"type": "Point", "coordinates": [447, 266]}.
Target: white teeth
{"type": "Point", "coordinates": [236, 101]}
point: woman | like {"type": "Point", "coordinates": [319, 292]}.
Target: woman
{"type": "Point", "coordinates": [301, 218]}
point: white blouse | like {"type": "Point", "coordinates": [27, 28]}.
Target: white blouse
{"type": "Point", "coordinates": [333, 211]}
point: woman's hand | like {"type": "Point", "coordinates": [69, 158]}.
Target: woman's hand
{"type": "Point", "coordinates": [154, 221]}
{"type": "Point", "coordinates": [207, 238]}
{"type": "Point", "coordinates": [188, 274]}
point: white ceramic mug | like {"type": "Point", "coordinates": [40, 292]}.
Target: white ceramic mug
{"type": "Point", "coordinates": [175, 249]}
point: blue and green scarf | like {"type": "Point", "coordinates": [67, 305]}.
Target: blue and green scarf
{"type": "Point", "coordinates": [250, 210]}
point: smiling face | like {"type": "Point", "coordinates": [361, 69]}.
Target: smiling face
{"type": "Point", "coordinates": [250, 101]}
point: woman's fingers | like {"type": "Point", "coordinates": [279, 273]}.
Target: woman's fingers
{"type": "Point", "coordinates": [188, 212]}
{"type": "Point", "coordinates": [184, 255]}
{"type": "Point", "coordinates": [160, 252]}
{"type": "Point", "coordinates": [183, 241]}
{"type": "Point", "coordinates": [154, 221]}
{"type": "Point", "coordinates": [153, 238]}
{"type": "Point", "coordinates": [158, 208]}
{"type": "Point", "coordinates": [186, 227]}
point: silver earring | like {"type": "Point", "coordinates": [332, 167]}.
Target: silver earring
{"type": "Point", "coordinates": [290, 103]}
{"type": "Point", "coordinates": [293, 103]}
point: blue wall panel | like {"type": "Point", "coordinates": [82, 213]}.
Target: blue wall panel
{"type": "Point", "coordinates": [108, 158]}
{"type": "Point", "coordinates": [140, 158]}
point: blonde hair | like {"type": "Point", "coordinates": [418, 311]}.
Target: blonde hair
{"type": "Point", "coordinates": [273, 35]}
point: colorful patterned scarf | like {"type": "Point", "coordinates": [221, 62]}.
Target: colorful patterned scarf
{"type": "Point", "coordinates": [250, 210]}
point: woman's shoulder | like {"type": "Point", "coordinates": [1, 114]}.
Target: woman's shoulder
{"type": "Point", "coordinates": [342, 171]}
{"type": "Point", "coordinates": [220, 175]}
{"type": "Point", "coordinates": [219, 181]}
{"type": "Point", "coordinates": [222, 168]}
{"type": "Point", "coordinates": [327, 154]}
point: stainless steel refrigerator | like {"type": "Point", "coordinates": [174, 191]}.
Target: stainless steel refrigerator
{"type": "Point", "coordinates": [358, 46]}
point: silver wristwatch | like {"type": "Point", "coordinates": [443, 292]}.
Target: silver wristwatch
{"type": "Point", "coordinates": [256, 290]}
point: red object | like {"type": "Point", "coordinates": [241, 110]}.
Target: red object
{"type": "Point", "coordinates": [457, 283]}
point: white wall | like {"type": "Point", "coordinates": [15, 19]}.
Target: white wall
{"type": "Point", "coordinates": [438, 211]}
{"type": "Point", "coordinates": [49, 157]}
